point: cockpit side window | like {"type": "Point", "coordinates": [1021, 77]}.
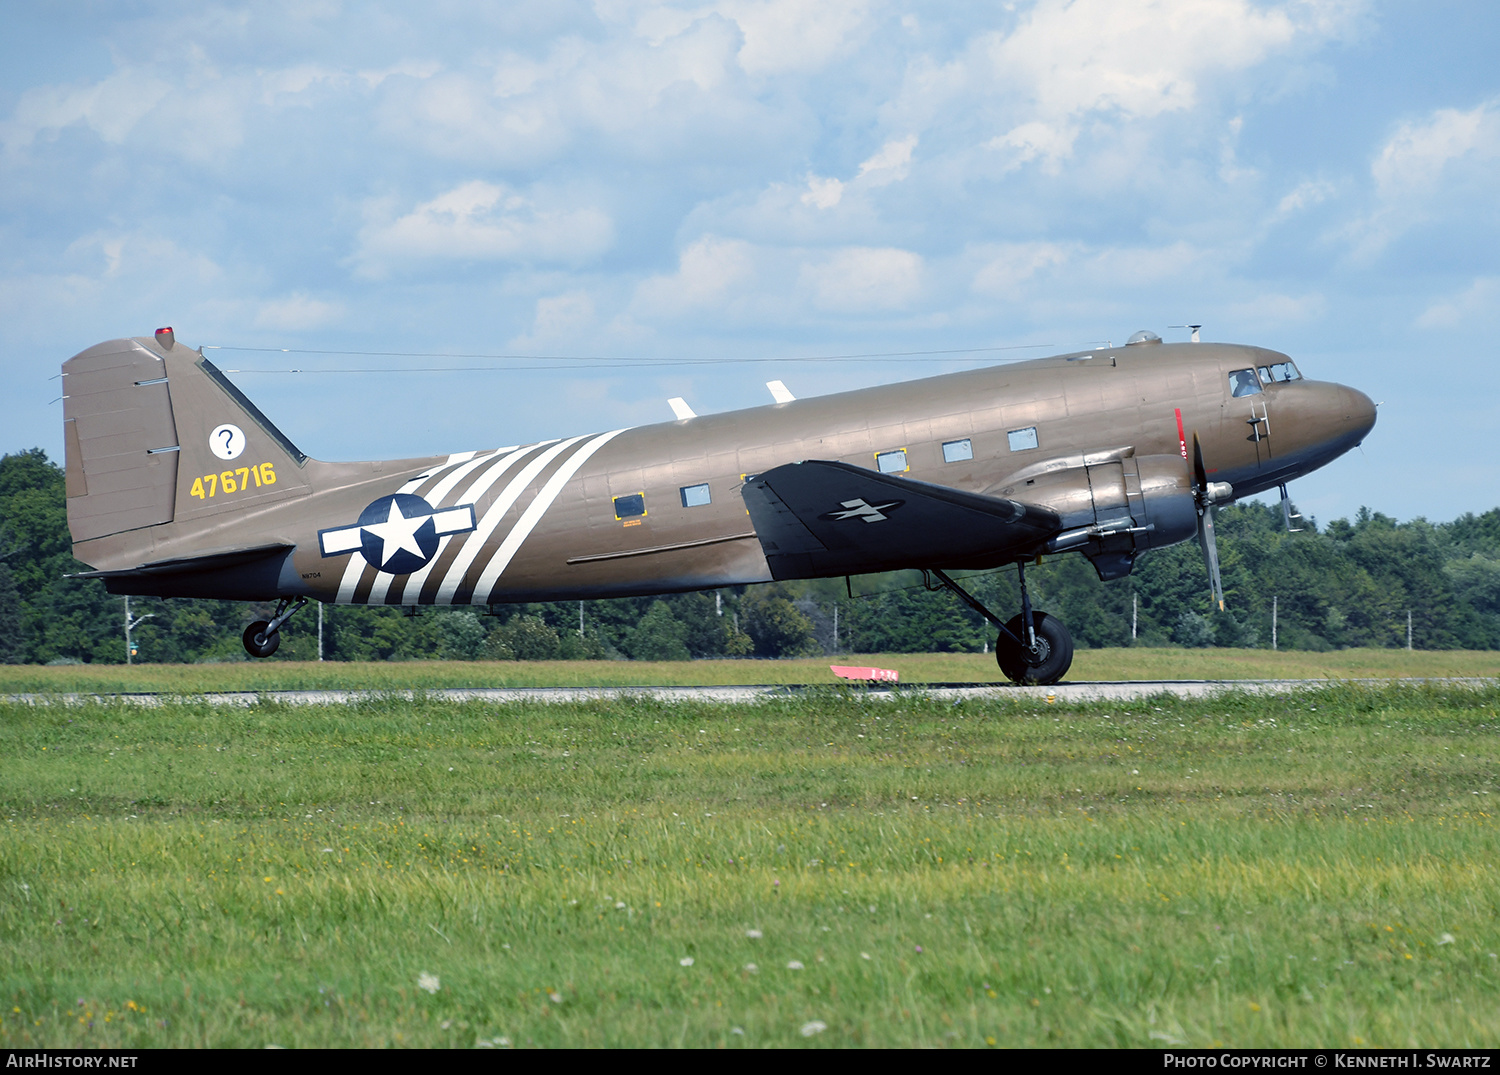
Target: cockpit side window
{"type": "Point", "coordinates": [1243, 383]}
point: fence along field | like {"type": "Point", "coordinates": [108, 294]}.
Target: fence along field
{"type": "Point", "coordinates": [1317, 868]}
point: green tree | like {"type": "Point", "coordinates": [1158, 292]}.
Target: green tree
{"type": "Point", "coordinates": [525, 638]}
{"type": "Point", "coordinates": [660, 636]}
{"type": "Point", "coordinates": [773, 623]}
{"type": "Point", "coordinates": [12, 623]}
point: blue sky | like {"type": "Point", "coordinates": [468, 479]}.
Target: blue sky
{"type": "Point", "coordinates": [647, 196]}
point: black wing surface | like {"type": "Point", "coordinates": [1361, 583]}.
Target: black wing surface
{"type": "Point", "coordinates": [820, 518]}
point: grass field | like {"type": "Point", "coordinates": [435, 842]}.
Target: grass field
{"type": "Point", "coordinates": [1317, 869]}
{"type": "Point", "coordinates": [1102, 664]}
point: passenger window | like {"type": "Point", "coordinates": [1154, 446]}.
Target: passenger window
{"type": "Point", "coordinates": [956, 451]}
{"type": "Point", "coordinates": [1022, 439]}
{"type": "Point", "coordinates": [891, 462]}
{"type": "Point", "coordinates": [628, 507]}
{"type": "Point", "coordinates": [695, 496]}
{"type": "Point", "coordinates": [1244, 383]}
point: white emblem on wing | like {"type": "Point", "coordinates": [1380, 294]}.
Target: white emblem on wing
{"type": "Point", "coordinates": [860, 509]}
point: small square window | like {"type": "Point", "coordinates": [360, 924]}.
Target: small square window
{"type": "Point", "coordinates": [695, 496]}
{"type": "Point", "coordinates": [628, 507]}
{"type": "Point", "coordinates": [1021, 439]}
{"type": "Point", "coordinates": [891, 462]}
{"type": "Point", "coordinates": [956, 451]}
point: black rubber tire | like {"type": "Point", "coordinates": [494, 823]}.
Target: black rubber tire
{"type": "Point", "coordinates": [1056, 656]}
{"type": "Point", "coordinates": [257, 642]}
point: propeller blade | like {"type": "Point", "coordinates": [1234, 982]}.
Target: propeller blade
{"type": "Point", "coordinates": [1210, 549]}
{"type": "Point", "coordinates": [1206, 540]}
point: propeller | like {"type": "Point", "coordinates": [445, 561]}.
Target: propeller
{"type": "Point", "coordinates": [1205, 495]}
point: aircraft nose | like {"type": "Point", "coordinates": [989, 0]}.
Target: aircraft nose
{"type": "Point", "coordinates": [1359, 412]}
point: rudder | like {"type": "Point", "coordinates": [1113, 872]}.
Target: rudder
{"type": "Point", "coordinates": [155, 435]}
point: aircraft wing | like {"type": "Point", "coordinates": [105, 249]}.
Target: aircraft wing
{"type": "Point", "coordinates": [818, 518]}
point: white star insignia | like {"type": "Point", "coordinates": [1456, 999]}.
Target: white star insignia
{"type": "Point", "coordinates": [397, 533]}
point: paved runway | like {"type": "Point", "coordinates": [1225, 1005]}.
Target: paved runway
{"type": "Point", "coordinates": [1103, 691]}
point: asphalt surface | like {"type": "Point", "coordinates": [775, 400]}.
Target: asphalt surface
{"type": "Point", "coordinates": [1103, 691]}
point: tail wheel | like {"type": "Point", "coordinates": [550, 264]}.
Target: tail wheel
{"type": "Point", "coordinates": [257, 642]}
{"type": "Point", "coordinates": [1050, 662]}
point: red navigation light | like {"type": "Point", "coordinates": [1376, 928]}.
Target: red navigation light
{"type": "Point", "coordinates": [166, 337]}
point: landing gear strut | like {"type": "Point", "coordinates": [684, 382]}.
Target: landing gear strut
{"type": "Point", "coordinates": [263, 636]}
{"type": "Point", "coordinates": [1033, 648]}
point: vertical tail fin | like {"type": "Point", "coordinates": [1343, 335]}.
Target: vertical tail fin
{"type": "Point", "coordinates": [156, 435]}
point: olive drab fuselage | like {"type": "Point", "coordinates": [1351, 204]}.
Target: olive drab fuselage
{"type": "Point", "coordinates": [200, 495]}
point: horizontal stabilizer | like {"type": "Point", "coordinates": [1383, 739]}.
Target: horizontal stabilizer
{"type": "Point", "coordinates": [820, 518]}
{"type": "Point", "coordinates": [251, 574]}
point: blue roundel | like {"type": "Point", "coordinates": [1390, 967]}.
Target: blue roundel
{"type": "Point", "coordinates": [397, 534]}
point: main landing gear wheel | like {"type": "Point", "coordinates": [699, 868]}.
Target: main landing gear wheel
{"type": "Point", "coordinates": [263, 636]}
{"type": "Point", "coordinates": [1048, 663]}
{"type": "Point", "coordinates": [259, 640]}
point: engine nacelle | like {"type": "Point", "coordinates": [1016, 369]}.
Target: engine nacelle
{"type": "Point", "coordinates": [1114, 505]}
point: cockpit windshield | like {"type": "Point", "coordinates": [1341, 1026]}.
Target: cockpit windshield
{"type": "Point", "coordinates": [1279, 373]}
{"type": "Point", "coordinates": [1249, 382]}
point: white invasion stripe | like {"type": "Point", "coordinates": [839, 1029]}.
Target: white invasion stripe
{"type": "Point", "coordinates": [347, 585]}
{"type": "Point", "coordinates": [534, 512]}
{"type": "Point", "coordinates": [492, 518]}
{"type": "Point", "coordinates": [452, 460]}
{"type": "Point", "coordinates": [434, 496]}
{"type": "Point", "coordinates": [418, 579]}
{"type": "Point", "coordinates": [356, 567]}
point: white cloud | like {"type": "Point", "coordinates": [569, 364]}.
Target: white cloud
{"type": "Point", "coordinates": [111, 108]}
{"type": "Point", "coordinates": [823, 192]}
{"type": "Point", "coordinates": [1070, 66]}
{"type": "Point", "coordinates": [1015, 263]}
{"type": "Point", "coordinates": [1304, 196]}
{"type": "Point", "coordinates": [1418, 167]}
{"type": "Point", "coordinates": [625, 94]}
{"type": "Point", "coordinates": [890, 164]}
{"type": "Point", "coordinates": [1037, 140]}
{"type": "Point", "coordinates": [561, 317]}
{"type": "Point", "coordinates": [863, 278]}
{"type": "Point", "coordinates": [1413, 161]}
{"type": "Point", "coordinates": [1479, 303]}
{"type": "Point", "coordinates": [480, 221]}
{"type": "Point", "coordinates": [418, 69]}
{"type": "Point", "coordinates": [793, 35]}
{"type": "Point", "coordinates": [710, 271]}
{"type": "Point", "coordinates": [297, 312]}
{"type": "Point", "coordinates": [780, 36]}
{"type": "Point", "coordinates": [1271, 310]}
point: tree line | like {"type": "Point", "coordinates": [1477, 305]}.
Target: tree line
{"type": "Point", "coordinates": [1365, 582]}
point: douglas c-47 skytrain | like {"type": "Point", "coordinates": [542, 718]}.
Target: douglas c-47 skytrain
{"type": "Point", "coordinates": [178, 486]}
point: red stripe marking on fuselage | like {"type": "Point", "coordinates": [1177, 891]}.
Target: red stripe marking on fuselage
{"type": "Point", "coordinates": [1181, 437]}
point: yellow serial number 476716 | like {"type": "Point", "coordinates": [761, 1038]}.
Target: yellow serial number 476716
{"type": "Point", "coordinates": [233, 481]}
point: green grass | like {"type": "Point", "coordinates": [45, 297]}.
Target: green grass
{"type": "Point", "coordinates": [1317, 869]}
{"type": "Point", "coordinates": [1103, 664]}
